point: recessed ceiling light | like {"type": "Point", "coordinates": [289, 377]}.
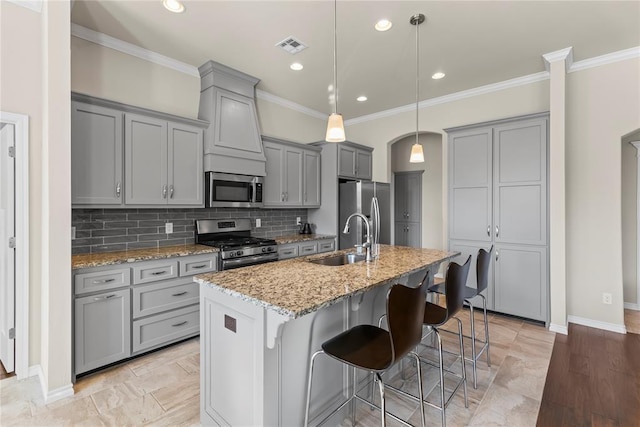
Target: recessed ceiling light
{"type": "Point", "coordinates": [361, 98]}
{"type": "Point", "coordinates": [383, 25]}
{"type": "Point", "coordinates": [438, 76]}
{"type": "Point", "coordinates": [173, 6]}
{"type": "Point", "coordinates": [296, 66]}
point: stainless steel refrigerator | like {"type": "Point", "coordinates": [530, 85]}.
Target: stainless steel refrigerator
{"type": "Point", "coordinates": [357, 196]}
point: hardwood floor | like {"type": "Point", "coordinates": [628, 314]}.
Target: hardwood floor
{"type": "Point", "coordinates": [593, 380]}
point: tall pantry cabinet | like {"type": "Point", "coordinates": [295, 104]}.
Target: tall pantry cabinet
{"type": "Point", "coordinates": [498, 196]}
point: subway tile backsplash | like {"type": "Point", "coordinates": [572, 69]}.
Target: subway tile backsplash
{"type": "Point", "coordinates": [104, 230]}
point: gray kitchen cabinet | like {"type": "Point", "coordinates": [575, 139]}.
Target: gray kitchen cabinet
{"type": "Point", "coordinates": [133, 157]}
{"type": "Point", "coordinates": [498, 195]}
{"type": "Point", "coordinates": [293, 174]}
{"type": "Point", "coordinates": [408, 208]}
{"type": "Point", "coordinates": [309, 247]}
{"type": "Point", "coordinates": [163, 162]}
{"type": "Point", "coordinates": [102, 329]}
{"type": "Point", "coordinates": [354, 162]}
{"type": "Point", "coordinates": [96, 155]}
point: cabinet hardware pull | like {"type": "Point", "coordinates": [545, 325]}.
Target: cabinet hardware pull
{"type": "Point", "coordinates": [179, 294]}
{"type": "Point", "coordinates": [282, 197]}
{"type": "Point", "coordinates": [164, 191]}
{"type": "Point", "coordinates": [407, 215]}
{"type": "Point", "coordinates": [118, 190]}
{"type": "Point", "coordinates": [171, 191]}
{"type": "Point", "coordinates": [497, 231]}
{"type": "Point", "coordinates": [105, 297]}
{"type": "Point", "coordinates": [199, 266]}
{"type": "Point", "coordinates": [489, 230]}
{"type": "Point", "coordinates": [95, 282]}
{"type": "Point", "coordinates": [286, 196]}
{"type": "Point", "coordinates": [179, 324]}
{"type": "Point", "coordinates": [497, 254]}
{"type": "Point", "coordinates": [157, 273]}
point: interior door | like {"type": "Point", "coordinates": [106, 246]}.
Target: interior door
{"type": "Point", "coordinates": [7, 253]}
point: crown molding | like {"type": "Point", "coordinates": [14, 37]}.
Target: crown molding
{"type": "Point", "coordinates": [131, 49]}
{"type": "Point", "coordinates": [290, 104]}
{"type": "Point", "coordinates": [609, 58]}
{"type": "Point", "coordinates": [494, 87]}
{"type": "Point", "coordinates": [35, 5]}
{"type": "Point", "coordinates": [565, 55]}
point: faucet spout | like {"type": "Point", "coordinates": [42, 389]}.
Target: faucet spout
{"type": "Point", "coordinates": [367, 245]}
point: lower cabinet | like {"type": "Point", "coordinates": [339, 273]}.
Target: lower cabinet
{"type": "Point", "coordinates": [309, 247]}
{"type": "Point", "coordinates": [102, 329]}
{"type": "Point", "coordinates": [408, 234]}
{"type": "Point", "coordinates": [125, 310]}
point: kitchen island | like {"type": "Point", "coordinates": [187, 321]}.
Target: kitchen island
{"type": "Point", "coordinates": [259, 326]}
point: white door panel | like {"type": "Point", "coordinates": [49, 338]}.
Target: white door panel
{"type": "Point", "coordinates": [7, 254]}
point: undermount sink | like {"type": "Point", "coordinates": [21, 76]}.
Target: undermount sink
{"type": "Point", "coordinates": [338, 260]}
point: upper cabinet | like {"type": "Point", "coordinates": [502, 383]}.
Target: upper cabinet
{"type": "Point", "coordinates": [129, 156]}
{"type": "Point", "coordinates": [293, 174]}
{"type": "Point", "coordinates": [354, 161]}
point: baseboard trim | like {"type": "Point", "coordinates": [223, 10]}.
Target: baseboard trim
{"type": "Point", "coordinates": [53, 395]}
{"type": "Point", "coordinates": [559, 329]}
{"type": "Point", "coordinates": [613, 327]}
{"type": "Point", "coordinates": [632, 306]}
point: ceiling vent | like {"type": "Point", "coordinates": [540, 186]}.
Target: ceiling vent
{"type": "Point", "coordinates": [291, 45]}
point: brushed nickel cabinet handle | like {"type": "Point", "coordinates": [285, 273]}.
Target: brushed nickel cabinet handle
{"type": "Point", "coordinates": [497, 231]}
{"type": "Point", "coordinates": [489, 230]}
{"type": "Point", "coordinates": [199, 266]}
{"type": "Point", "coordinates": [105, 297]}
{"type": "Point", "coordinates": [164, 191]}
{"type": "Point", "coordinates": [282, 197]}
{"type": "Point", "coordinates": [497, 255]}
{"type": "Point", "coordinates": [96, 282]}
{"type": "Point", "coordinates": [118, 189]}
{"type": "Point", "coordinates": [179, 324]}
{"type": "Point", "coordinates": [179, 294]}
{"type": "Point", "coordinates": [171, 191]}
{"type": "Point", "coordinates": [157, 273]}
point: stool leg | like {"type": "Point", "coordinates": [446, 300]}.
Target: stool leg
{"type": "Point", "coordinates": [473, 345]}
{"type": "Point", "coordinates": [442, 401]}
{"type": "Point", "coordinates": [383, 415]}
{"type": "Point", "coordinates": [306, 411]}
{"type": "Point", "coordinates": [421, 393]}
{"type": "Point", "coordinates": [486, 328]}
{"type": "Point", "coordinates": [464, 368]}
{"type": "Point", "coordinates": [353, 400]}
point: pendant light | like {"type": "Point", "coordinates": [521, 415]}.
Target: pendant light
{"type": "Point", "coordinates": [335, 125]}
{"type": "Point", "coordinates": [417, 155]}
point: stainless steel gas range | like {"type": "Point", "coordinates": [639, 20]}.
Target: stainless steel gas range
{"type": "Point", "coordinates": [233, 238]}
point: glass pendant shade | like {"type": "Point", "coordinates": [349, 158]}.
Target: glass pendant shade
{"type": "Point", "coordinates": [417, 156]}
{"type": "Point", "coordinates": [335, 128]}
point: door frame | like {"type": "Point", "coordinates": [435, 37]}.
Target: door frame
{"type": "Point", "coordinates": [21, 143]}
{"type": "Point", "coordinates": [627, 305]}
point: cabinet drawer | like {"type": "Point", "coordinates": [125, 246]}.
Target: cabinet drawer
{"type": "Point", "coordinates": [163, 328]}
{"type": "Point", "coordinates": [287, 251]}
{"type": "Point", "coordinates": [197, 265]}
{"type": "Point", "coordinates": [308, 248]}
{"type": "Point", "coordinates": [151, 272]}
{"type": "Point", "coordinates": [101, 280]}
{"type": "Point", "coordinates": [326, 246]}
{"type": "Point", "coordinates": [158, 297]}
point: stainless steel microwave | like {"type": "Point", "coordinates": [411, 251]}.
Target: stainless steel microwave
{"type": "Point", "coordinates": [233, 191]}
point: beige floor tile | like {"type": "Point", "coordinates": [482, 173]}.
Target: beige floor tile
{"type": "Point", "coordinates": [502, 407]}
{"type": "Point", "coordinates": [134, 413]}
{"type": "Point", "coordinates": [66, 414]}
{"type": "Point", "coordinates": [525, 377]}
{"type": "Point", "coordinates": [632, 321]}
{"type": "Point", "coordinates": [526, 348]}
{"type": "Point", "coordinates": [190, 363]}
{"type": "Point", "coordinates": [184, 415]}
{"type": "Point", "coordinates": [162, 376]}
{"type": "Point", "coordinates": [538, 332]}
{"type": "Point", "coordinates": [102, 380]}
{"type": "Point", "coordinates": [115, 396]}
{"type": "Point", "coordinates": [173, 395]}
{"type": "Point", "coordinates": [152, 361]}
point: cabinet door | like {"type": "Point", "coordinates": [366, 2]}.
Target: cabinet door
{"type": "Point", "coordinates": [293, 176]}
{"type": "Point", "coordinates": [470, 183]}
{"type": "Point", "coordinates": [311, 181]}
{"type": "Point", "coordinates": [145, 143]}
{"type": "Point", "coordinates": [521, 281]}
{"type": "Point", "coordinates": [346, 161]}
{"type": "Point", "coordinates": [185, 161]}
{"type": "Point", "coordinates": [363, 165]}
{"type": "Point", "coordinates": [414, 235]}
{"type": "Point", "coordinates": [273, 193]}
{"type": "Point", "coordinates": [96, 155]}
{"type": "Point", "coordinates": [413, 196]}
{"type": "Point", "coordinates": [401, 234]}
{"type": "Point", "coordinates": [467, 248]}
{"type": "Point", "coordinates": [520, 182]}
{"type": "Point", "coordinates": [102, 329]}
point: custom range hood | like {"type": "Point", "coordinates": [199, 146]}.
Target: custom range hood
{"type": "Point", "coordinates": [232, 142]}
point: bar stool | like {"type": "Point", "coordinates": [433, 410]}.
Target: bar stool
{"type": "Point", "coordinates": [482, 274]}
{"type": "Point", "coordinates": [436, 316]}
{"type": "Point", "coordinates": [374, 349]}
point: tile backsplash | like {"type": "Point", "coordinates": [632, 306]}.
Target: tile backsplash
{"type": "Point", "coordinates": [103, 230]}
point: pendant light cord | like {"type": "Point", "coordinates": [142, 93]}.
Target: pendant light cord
{"type": "Point", "coordinates": [335, 55]}
{"type": "Point", "coordinates": [417, 75]}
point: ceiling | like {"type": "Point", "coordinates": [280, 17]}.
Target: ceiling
{"type": "Point", "coordinates": [475, 43]}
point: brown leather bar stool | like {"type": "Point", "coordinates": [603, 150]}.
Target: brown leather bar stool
{"type": "Point", "coordinates": [482, 274]}
{"type": "Point", "coordinates": [436, 316]}
{"type": "Point", "coordinates": [374, 349]}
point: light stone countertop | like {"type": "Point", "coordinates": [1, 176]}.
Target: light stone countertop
{"type": "Point", "coordinates": [122, 257]}
{"type": "Point", "coordinates": [296, 286]}
{"type": "Point", "coordinates": [298, 238]}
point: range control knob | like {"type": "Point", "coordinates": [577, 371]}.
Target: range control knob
{"type": "Point", "coordinates": [265, 249]}
{"type": "Point", "coordinates": [239, 253]}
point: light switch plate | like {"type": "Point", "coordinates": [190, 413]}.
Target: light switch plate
{"type": "Point", "coordinates": [258, 222]}
{"type": "Point", "coordinates": [73, 233]}
{"type": "Point", "coordinates": [168, 228]}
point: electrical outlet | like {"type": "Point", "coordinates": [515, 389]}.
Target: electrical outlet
{"type": "Point", "coordinates": [298, 222]}
{"type": "Point", "coordinates": [258, 222]}
{"type": "Point", "coordinates": [168, 228]}
{"type": "Point", "coordinates": [73, 233]}
{"type": "Point", "coordinates": [606, 298]}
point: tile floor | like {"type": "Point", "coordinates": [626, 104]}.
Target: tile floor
{"type": "Point", "coordinates": [162, 388]}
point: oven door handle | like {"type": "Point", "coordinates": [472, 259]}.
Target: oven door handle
{"type": "Point", "coordinates": [249, 260]}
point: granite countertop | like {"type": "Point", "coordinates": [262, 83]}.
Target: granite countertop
{"type": "Point", "coordinates": [296, 287]}
{"type": "Point", "coordinates": [297, 238]}
{"type": "Point", "coordinates": [122, 257]}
